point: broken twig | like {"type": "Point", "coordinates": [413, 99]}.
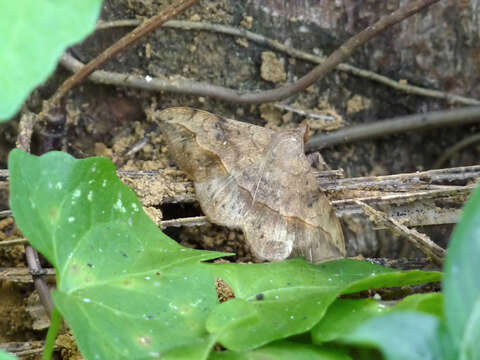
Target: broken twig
{"type": "Point", "coordinates": [420, 241]}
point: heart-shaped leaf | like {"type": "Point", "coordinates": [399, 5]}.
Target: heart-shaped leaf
{"type": "Point", "coordinates": [126, 289]}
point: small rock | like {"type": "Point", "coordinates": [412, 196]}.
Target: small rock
{"type": "Point", "coordinates": [272, 68]}
{"type": "Point", "coordinates": [247, 22]}
{"type": "Point", "coordinates": [195, 17]}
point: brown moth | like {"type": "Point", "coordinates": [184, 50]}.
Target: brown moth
{"type": "Point", "coordinates": [255, 179]}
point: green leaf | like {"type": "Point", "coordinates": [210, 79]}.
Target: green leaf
{"type": "Point", "coordinates": [393, 279]}
{"type": "Point", "coordinates": [462, 283]}
{"type": "Point", "coordinates": [33, 35]}
{"type": "Point", "coordinates": [282, 350]}
{"type": "Point", "coordinates": [6, 356]}
{"type": "Point", "coordinates": [235, 312]}
{"type": "Point", "coordinates": [290, 297]}
{"type": "Point", "coordinates": [404, 335]}
{"type": "Point", "coordinates": [429, 303]}
{"type": "Point", "coordinates": [345, 315]}
{"type": "Point", "coordinates": [126, 289]}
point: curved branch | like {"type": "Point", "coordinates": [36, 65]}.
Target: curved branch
{"type": "Point", "coordinates": [469, 140]}
{"type": "Point", "coordinates": [136, 34]}
{"type": "Point", "coordinates": [393, 126]}
{"type": "Point", "coordinates": [338, 56]}
{"type": "Point", "coordinates": [299, 54]}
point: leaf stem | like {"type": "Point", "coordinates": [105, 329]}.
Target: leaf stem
{"type": "Point", "coordinates": [55, 323]}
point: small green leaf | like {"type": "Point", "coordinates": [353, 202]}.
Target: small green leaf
{"type": "Point", "coordinates": [292, 296]}
{"type": "Point", "coordinates": [345, 315]}
{"type": "Point", "coordinates": [33, 35]}
{"type": "Point", "coordinates": [282, 350]}
{"type": "Point", "coordinates": [462, 283]}
{"type": "Point", "coordinates": [404, 335]}
{"type": "Point", "coordinates": [393, 279]}
{"type": "Point", "coordinates": [429, 303]}
{"type": "Point", "coordinates": [126, 289]}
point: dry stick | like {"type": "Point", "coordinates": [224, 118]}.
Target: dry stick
{"type": "Point", "coordinates": [23, 348]}
{"type": "Point", "coordinates": [25, 130]}
{"type": "Point", "coordinates": [393, 126]}
{"type": "Point", "coordinates": [190, 221]}
{"type": "Point", "coordinates": [23, 142]}
{"type": "Point", "coordinates": [144, 29]}
{"type": "Point", "coordinates": [306, 113]}
{"type": "Point", "coordinates": [421, 241]}
{"type": "Point", "coordinates": [397, 181]}
{"type": "Point", "coordinates": [339, 55]}
{"type": "Point", "coordinates": [14, 242]}
{"type": "Point", "coordinates": [39, 278]}
{"type": "Point", "coordinates": [23, 275]}
{"type": "Point", "coordinates": [299, 54]}
{"type": "Point", "coordinates": [470, 140]}
{"type": "Point", "coordinates": [406, 197]}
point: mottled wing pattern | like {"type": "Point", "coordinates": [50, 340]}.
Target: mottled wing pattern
{"type": "Point", "coordinates": [258, 180]}
{"type": "Point", "coordinates": [237, 144]}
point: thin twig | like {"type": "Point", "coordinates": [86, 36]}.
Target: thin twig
{"type": "Point", "coordinates": [405, 182]}
{"type": "Point", "coordinates": [302, 112]}
{"type": "Point", "coordinates": [190, 221]}
{"type": "Point", "coordinates": [258, 97]}
{"type": "Point", "coordinates": [25, 130]}
{"type": "Point", "coordinates": [31, 255]}
{"type": "Point", "coordinates": [23, 348]}
{"type": "Point", "coordinates": [39, 278]}
{"type": "Point", "coordinates": [23, 275]}
{"type": "Point", "coordinates": [5, 213]}
{"type": "Point", "coordinates": [381, 128]}
{"type": "Point", "coordinates": [420, 241]}
{"type": "Point", "coordinates": [144, 29]}
{"type": "Point", "coordinates": [470, 140]}
{"type": "Point", "coordinates": [299, 54]}
{"type": "Point", "coordinates": [408, 196]}
{"type": "Point", "coordinates": [14, 242]}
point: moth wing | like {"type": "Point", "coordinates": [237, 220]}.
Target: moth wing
{"type": "Point", "coordinates": [255, 179]}
{"type": "Point", "coordinates": [236, 144]}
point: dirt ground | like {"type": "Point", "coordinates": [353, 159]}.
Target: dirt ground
{"type": "Point", "coordinates": [109, 121]}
